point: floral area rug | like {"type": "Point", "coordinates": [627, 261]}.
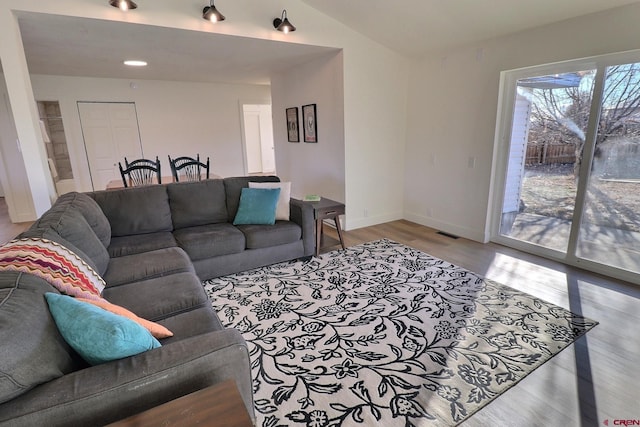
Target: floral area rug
{"type": "Point", "coordinates": [382, 334]}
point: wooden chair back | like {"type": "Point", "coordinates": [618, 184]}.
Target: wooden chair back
{"type": "Point", "coordinates": [140, 172]}
{"type": "Point", "coordinates": [188, 169]}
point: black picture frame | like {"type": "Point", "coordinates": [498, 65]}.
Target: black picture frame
{"type": "Point", "coordinates": [293, 126]}
{"type": "Point", "coordinates": [310, 123]}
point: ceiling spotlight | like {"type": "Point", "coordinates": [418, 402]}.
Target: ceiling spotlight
{"type": "Point", "coordinates": [135, 63]}
{"type": "Point", "coordinates": [283, 24]}
{"type": "Point", "coordinates": [123, 4]}
{"type": "Point", "coordinates": [210, 13]}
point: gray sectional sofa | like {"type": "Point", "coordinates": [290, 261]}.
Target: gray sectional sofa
{"type": "Point", "coordinates": [153, 246]}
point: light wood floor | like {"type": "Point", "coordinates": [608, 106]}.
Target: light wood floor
{"type": "Point", "coordinates": [593, 380]}
{"type": "Point", "coordinates": [8, 230]}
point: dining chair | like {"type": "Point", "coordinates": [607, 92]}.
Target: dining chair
{"type": "Point", "coordinates": [188, 169]}
{"type": "Point", "coordinates": [140, 172]}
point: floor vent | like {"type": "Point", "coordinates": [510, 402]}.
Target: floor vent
{"type": "Point", "coordinates": [451, 236]}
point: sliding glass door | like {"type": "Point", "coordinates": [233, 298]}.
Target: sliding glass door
{"type": "Point", "coordinates": [569, 153]}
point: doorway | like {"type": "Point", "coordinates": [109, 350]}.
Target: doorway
{"type": "Point", "coordinates": [570, 163]}
{"type": "Point", "coordinates": [110, 131]}
{"type": "Point", "coordinates": [55, 142]}
{"type": "Point", "coordinates": [258, 144]}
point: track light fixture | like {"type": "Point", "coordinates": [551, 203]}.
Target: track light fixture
{"type": "Point", "coordinates": [283, 24]}
{"type": "Point", "coordinates": [210, 13]}
{"type": "Point", "coordinates": [123, 4]}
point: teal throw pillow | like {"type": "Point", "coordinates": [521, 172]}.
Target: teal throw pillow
{"type": "Point", "coordinates": [257, 206]}
{"type": "Point", "coordinates": [97, 335]}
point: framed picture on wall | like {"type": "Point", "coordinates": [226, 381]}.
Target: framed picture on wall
{"type": "Point", "coordinates": [310, 123]}
{"type": "Point", "coordinates": [292, 125]}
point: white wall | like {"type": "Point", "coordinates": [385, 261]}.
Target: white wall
{"type": "Point", "coordinates": [11, 163]}
{"type": "Point", "coordinates": [39, 184]}
{"type": "Point", "coordinates": [175, 118]}
{"type": "Point", "coordinates": [375, 87]}
{"type": "Point", "coordinates": [313, 168]}
{"type": "Point", "coordinates": [453, 100]}
{"type": "Point", "coordinates": [359, 157]}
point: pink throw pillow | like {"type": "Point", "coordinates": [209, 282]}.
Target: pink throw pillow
{"type": "Point", "coordinates": [157, 330]}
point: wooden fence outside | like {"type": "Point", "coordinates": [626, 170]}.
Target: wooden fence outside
{"type": "Point", "coordinates": [545, 154]}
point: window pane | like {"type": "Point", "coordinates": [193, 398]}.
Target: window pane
{"type": "Point", "coordinates": [548, 133]}
{"type": "Point", "coordinates": [610, 228]}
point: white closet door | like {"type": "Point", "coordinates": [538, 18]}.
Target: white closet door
{"type": "Point", "coordinates": [111, 133]}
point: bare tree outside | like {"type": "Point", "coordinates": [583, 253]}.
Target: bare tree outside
{"type": "Point", "coordinates": [560, 115]}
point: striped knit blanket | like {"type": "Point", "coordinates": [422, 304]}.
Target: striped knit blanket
{"type": "Point", "coordinates": [60, 267]}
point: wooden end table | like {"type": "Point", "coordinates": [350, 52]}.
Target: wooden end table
{"type": "Point", "coordinates": [327, 209]}
{"type": "Point", "coordinates": [219, 405]}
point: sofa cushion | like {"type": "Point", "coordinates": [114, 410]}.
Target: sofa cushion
{"type": "Point", "coordinates": [257, 206]}
{"type": "Point", "coordinates": [25, 363]}
{"type": "Point", "coordinates": [265, 236]}
{"type": "Point", "coordinates": [92, 214]}
{"type": "Point", "coordinates": [207, 241]}
{"type": "Point", "coordinates": [71, 225]}
{"type": "Point", "coordinates": [159, 298]}
{"type": "Point", "coordinates": [129, 245]}
{"type": "Point", "coordinates": [147, 265]}
{"type": "Point", "coordinates": [197, 203]}
{"type": "Point", "coordinates": [98, 335]}
{"type": "Point", "coordinates": [251, 258]}
{"type": "Point", "coordinates": [75, 229]}
{"type": "Point", "coordinates": [233, 187]}
{"type": "Point", "coordinates": [136, 210]}
{"type": "Point", "coordinates": [191, 323]}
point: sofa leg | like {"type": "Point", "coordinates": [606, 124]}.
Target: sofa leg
{"type": "Point", "coordinates": [306, 258]}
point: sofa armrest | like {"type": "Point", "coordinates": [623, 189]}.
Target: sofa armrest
{"type": "Point", "coordinates": [105, 393]}
{"type": "Point", "coordinates": [301, 213]}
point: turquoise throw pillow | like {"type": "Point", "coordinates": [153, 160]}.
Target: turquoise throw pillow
{"type": "Point", "coordinates": [97, 335]}
{"type": "Point", "coordinates": [257, 206]}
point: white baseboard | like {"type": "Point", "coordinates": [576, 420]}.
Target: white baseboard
{"type": "Point", "coordinates": [467, 233]}
{"type": "Point", "coordinates": [352, 224]}
{"type": "Point", "coordinates": [478, 236]}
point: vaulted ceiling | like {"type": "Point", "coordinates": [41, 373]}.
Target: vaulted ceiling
{"type": "Point", "coordinates": [86, 47]}
{"type": "Point", "coordinates": [417, 27]}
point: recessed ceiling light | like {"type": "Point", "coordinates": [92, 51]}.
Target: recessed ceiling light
{"type": "Point", "coordinates": [135, 63]}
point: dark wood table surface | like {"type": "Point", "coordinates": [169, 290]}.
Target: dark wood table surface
{"type": "Point", "coordinates": [217, 406]}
